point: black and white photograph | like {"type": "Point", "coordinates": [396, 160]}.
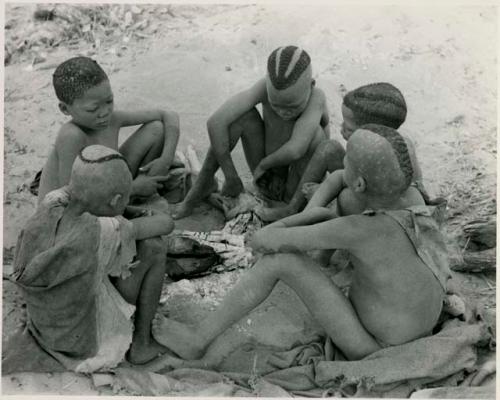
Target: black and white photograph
{"type": "Point", "coordinates": [268, 199]}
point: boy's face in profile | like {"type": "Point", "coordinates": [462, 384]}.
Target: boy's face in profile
{"type": "Point", "coordinates": [349, 124]}
{"type": "Point", "coordinates": [92, 110]}
{"type": "Point", "coordinates": [291, 102]}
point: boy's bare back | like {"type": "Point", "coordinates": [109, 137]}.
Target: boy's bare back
{"type": "Point", "coordinates": [397, 297]}
{"type": "Point", "coordinates": [398, 254]}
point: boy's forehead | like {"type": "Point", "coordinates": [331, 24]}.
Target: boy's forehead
{"type": "Point", "coordinates": [96, 93]}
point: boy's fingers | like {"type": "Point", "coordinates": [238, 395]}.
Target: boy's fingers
{"type": "Point", "coordinates": [161, 178]}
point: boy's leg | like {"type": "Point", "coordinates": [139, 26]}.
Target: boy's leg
{"type": "Point", "coordinates": [143, 146]}
{"type": "Point", "coordinates": [250, 128]}
{"type": "Point", "coordinates": [143, 289]}
{"type": "Point", "coordinates": [328, 156]}
{"type": "Point", "coordinates": [322, 297]}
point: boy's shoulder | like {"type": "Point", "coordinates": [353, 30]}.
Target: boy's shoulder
{"type": "Point", "coordinates": [69, 133]}
{"type": "Point", "coordinates": [318, 97]}
{"type": "Point", "coordinates": [259, 90]}
{"type": "Point", "coordinates": [70, 130]}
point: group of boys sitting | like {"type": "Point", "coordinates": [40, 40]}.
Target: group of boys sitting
{"type": "Point", "coordinates": [88, 261]}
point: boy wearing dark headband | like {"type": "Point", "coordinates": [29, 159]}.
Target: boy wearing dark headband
{"type": "Point", "coordinates": [85, 270]}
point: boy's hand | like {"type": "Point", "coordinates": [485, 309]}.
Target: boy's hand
{"type": "Point", "coordinates": [157, 167]}
{"type": "Point", "coordinates": [232, 187]}
{"type": "Point", "coordinates": [146, 186]}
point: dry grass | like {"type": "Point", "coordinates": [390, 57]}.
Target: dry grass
{"type": "Point", "coordinates": [469, 181]}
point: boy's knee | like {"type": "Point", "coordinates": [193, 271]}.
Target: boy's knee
{"type": "Point", "coordinates": [332, 152]}
{"type": "Point", "coordinates": [155, 128]}
{"type": "Point", "coordinates": [153, 248]}
{"type": "Point", "coordinates": [250, 119]}
{"type": "Point", "coordinates": [332, 148]}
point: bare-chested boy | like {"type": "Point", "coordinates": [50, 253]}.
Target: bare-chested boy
{"type": "Point", "coordinates": [378, 103]}
{"type": "Point", "coordinates": [399, 258]}
{"type": "Point", "coordinates": [279, 144]}
{"type": "Point", "coordinates": [85, 94]}
{"type": "Point", "coordinates": [82, 273]}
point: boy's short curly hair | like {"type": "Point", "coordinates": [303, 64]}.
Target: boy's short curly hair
{"type": "Point", "coordinates": [285, 66]}
{"type": "Point", "coordinates": [75, 76]}
{"type": "Point", "coordinates": [377, 103]}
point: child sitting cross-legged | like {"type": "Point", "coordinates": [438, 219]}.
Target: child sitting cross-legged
{"type": "Point", "coordinates": [84, 93]}
{"type": "Point", "coordinates": [85, 270]}
{"type": "Point", "coordinates": [397, 252]}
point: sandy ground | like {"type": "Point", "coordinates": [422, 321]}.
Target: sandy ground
{"type": "Point", "coordinates": [442, 59]}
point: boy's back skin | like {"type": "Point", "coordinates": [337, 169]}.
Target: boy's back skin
{"type": "Point", "coordinates": [277, 146]}
{"type": "Point", "coordinates": [150, 149]}
{"type": "Point", "coordinates": [394, 297]}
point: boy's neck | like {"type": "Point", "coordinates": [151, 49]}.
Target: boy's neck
{"type": "Point", "coordinates": [75, 208]}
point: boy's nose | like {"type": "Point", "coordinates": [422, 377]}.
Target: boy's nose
{"type": "Point", "coordinates": [104, 111]}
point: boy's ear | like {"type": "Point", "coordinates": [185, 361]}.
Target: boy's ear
{"type": "Point", "coordinates": [115, 200]}
{"type": "Point", "coordinates": [359, 184]}
{"type": "Point", "coordinates": [64, 108]}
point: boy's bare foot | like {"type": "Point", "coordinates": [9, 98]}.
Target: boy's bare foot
{"type": "Point", "coordinates": [178, 337]}
{"type": "Point", "coordinates": [232, 187]}
{"type": "Point", "coordinates": [141, 353]}
{"type": "Point", "coordinates": [268, 214]}
{"type": "Point", "coordinates": [182, 210]}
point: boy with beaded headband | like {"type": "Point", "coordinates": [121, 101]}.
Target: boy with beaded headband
{"type": "Point", "coordinates": [76, 267]}
{"type": "Point", "coordinates": [399, 259]}
{"type": "Point", "coordinates": [85, 94]}
{"type": "Point", "coordinates": [278, 145]}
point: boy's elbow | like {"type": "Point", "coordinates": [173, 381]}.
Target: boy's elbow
{"type": "Point", "coordinates": [171, 118]}
{"type": "Point", "coordinates": [213, 124]}
{"type": "Point", "coordinates": [296, 153]}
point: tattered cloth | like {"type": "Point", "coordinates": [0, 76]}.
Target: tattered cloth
{"type": "Point", "coordinates": [313, 370]}
{"type": "Point", "coordinates": [74, 312]}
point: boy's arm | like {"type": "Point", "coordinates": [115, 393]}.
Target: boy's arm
{"type": "Point", "coordinates": [309, 217]}
{"type": "Point", "coordinates": [219, 122]}
{"type": "Point", "coordinates": [156, 225]}
{"type": "Point", "coordinates": [329, 189]}
{"type": "Point", "coordinates": [338, 233]}
{"type": "Point", "coordinates": [170, 121]}
{"type": "Point", "coordinates": [303, 133]}
{"type": "Point", "coordinates": [417, 172]}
